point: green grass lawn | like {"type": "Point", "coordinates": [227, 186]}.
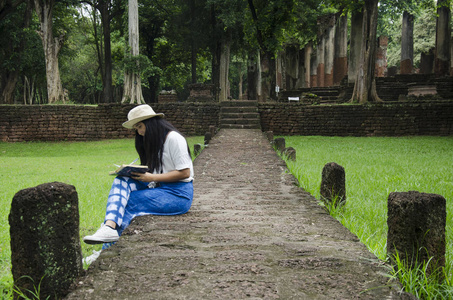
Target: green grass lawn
{"type": "Point", "coordinates": [375, 167]}
{"type": "Point", "coordinates": [83, 164]}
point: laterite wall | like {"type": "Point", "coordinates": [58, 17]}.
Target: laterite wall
{"type": "Point", "coordinates": [387, 119]}
{"type": "Point", "coordinates": [81, 123]}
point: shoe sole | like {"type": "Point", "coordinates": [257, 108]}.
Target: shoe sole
{"type": "Point", "coordinates": [94, 242]}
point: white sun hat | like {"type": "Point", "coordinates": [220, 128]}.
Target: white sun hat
{"type": "Point", "coordinates": [140, 113]}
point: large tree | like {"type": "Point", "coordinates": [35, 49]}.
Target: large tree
{"type": "Point", "coordinates": [132, 79]}
{"type": "Point", "coordinates": [14, 40]}
{"type": "Point", "coordinates": [271, 19]}
{"type": "Point", "coordinates": [52, 45]}
{"type": "Point", "coordinates": [365, 83]}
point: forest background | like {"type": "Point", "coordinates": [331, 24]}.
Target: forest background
{"type": "Point", "coordinates": [179, 42]}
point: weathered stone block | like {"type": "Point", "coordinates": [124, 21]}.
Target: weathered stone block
{"type": "Point", "coordinates": [333, 184]}
{"type": "Point", "coordinates": [279, 144]}
{"type": "Point", "coordinates": [290, 153]}
{"type": "Point", "coordinates": [212, 130]}
{"type": "Point", "coordinates": [270, 136]}
{"type": "Point", "coordinates": [45, 243]}
{"type": "Point", "coordinates": [196, 149]}
{"type": "Point", "coordinates": [416, 228]}
{"type": "Point", "coordinates": [207, 138]}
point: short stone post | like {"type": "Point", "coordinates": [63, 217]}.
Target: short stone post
{"type": "Point", "coordinates": [45, 243]}
{"type": "Point", "coordinates": [416, 229]}
{"type": "Point", "coordinates": [333, 184]}
{"type": "Point", "coordinates": [279, 144]}
{"type": "Point", "coordinates": [212, 130]}
{"type": "Point", "coordinates": [207, 138]}
{"type": "Point", "coordinates": [270, 136]}
{"type": "Point", "coordinates": [290, 153]}
{"type": "Point", "coordinates": [196, 149]}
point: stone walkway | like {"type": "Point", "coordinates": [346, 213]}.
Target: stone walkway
{"type": "Point", "coordinates": [251, 234]}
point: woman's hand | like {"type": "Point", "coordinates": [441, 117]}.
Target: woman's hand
{"type": "Point", "coordinates": [145, 177]}
{"type": "Point", "coordinates": [171, 176]}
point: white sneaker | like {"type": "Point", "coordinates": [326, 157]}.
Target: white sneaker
{"type": "Point", "coordinates": [105, 234]}
{"type": "Point", "coordinates": [90, 259]}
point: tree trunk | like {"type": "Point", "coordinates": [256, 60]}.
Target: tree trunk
{"type": "Point", "coordinates": [253, 76]}
{"type": "Point", "coordinates": [224, 67]}
{"type": "Point", "coordinates": [52, 46]}
{"type": "Point", "coordinates": [240, 80]}
{"type": "Point", "coordinates": [356, 45]}
{"type": "Point", "coordinates": [268, 57]}
{"type": "Point", "coordinates": [407, 43]}
{"type": "Point", "coordinates": [29, 90]}
{"type": "Point", "coordinates": [271, 76]}
{"type": "Point", "coordinates": [216, 47]}
{"type": "Point", "coordinates": [443, 36]}
{"type": "Point", "coordinates": [320, 59]}
{"type": "Point", "coordinates": [307, 61]}
{"type": "Point", "coordinates": [365, 83]}
{"type": "Point", "coordinates": [9, 87]}
{"type": "Point", "coordinates": [132, 81]}
{"type": "Point", "coordinates": [107, 93]}
{"type": "Point", "coordinates": [193, 49]}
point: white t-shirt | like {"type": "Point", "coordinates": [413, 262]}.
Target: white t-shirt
{"type": "Point", "coordinates": [175, 155]}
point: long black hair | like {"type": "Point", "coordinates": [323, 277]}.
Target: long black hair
{"type": "Point", "coordinates": [150, 146]}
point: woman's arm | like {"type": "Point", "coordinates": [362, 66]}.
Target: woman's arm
{"type": "Point", "coordinates": [171, 176]}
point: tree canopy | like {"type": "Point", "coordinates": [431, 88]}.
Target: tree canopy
{"type": "Point", "coordinates": [179, 41]}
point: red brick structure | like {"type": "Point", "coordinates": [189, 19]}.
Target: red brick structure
{"type": "Point", "coordinates": [381, 57]}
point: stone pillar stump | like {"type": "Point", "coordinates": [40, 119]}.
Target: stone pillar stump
{"type": "Point", "coordinates": [196, 149]}
{"type": "Point", "coordinates": [279, 144]}
{"type": "Point", "coordinates": [333, 184]}
{"type": "Point", "coordinates": [45, 243]}
{"type": "Point", "coordinates": [290, 153]}
{"type": "Point", "coordinates": [416, 228]}
{"type": "Point", "coordinates": [207, 138]}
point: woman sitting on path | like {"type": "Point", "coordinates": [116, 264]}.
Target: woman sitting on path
{"type": "Point", "coordinates": [166, 190]}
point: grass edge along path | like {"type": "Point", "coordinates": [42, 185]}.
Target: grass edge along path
{"type": "Point", "coordinates": [375, 167]}
{"type": "Point", "coordinates": [82, 164]}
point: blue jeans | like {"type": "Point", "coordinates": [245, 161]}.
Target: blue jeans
{"type": "Point", "coordinates": [130, 198]}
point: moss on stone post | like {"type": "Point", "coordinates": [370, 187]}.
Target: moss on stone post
{"type": "Point", "coordinates": [45, 243]}
{"type": "Point", "coordinates": [416, 229]}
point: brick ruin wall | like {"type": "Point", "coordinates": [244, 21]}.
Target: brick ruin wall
{"type": "Point", "coordinates": [386, 119]}
{"type": "Point", "coordinates": [81, 123]}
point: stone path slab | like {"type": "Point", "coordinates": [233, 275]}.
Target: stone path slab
{"type": "Point", "coordinates": [251, 234]}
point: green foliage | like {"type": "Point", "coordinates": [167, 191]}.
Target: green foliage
{"type": "Point", "coordinates": [424, 36]}
{"type": "Point", "coordinates": [421, 283]}
{"type": "Point", "coordinates": [140, 64]}
{"type": "Point", "coordinates": [273, 19]}
{"type": "Point", "coordinates": [170, 30]}
{"type": "Point", "coordinates": [21, 49]}
{"type": "Point", "coordinates": [35, 293]}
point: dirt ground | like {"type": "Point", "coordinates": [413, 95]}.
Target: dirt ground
{"type": "Point", "coordinates": [250, 234]}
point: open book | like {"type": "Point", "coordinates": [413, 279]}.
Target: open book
{"type": "Point", "coordinates": [126, 170]}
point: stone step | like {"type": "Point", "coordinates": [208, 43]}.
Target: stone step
{"type": "Point", "coordinates": [240, 126]}
{"type": "Point", "coordinates": [239, 103]}
{"type": "Point", "coordinates": [239, 109]}
{"type": "Point", "coordinates": [239, 115]}
{"type": "Point", "coordinates": [240, 121]}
